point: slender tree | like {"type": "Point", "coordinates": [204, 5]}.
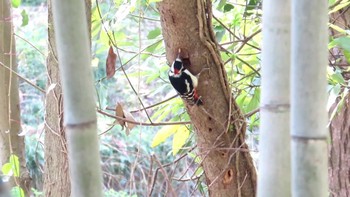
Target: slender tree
{"type": "Point", "coordinates": [220, 124]}
{"type": "Point", "coordinates": [309, 98]}
{"type": "Point", "coordinates": [10, 123]}
{"type": "Point", "coordinates": [274, 158]}
{"type": "Point", "coordinates": [57, 181]}
{"type": "Point", "coordinates": [79, 103]}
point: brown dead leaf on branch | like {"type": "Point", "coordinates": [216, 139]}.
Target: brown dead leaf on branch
{"type": "Point", "coordinates": [110, 63]}
{"type": "Point", "coordinates": [119, 111]}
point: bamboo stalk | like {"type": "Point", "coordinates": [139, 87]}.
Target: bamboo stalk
{"type": "Point", "coordinates": [309, 98]}
{"type": "Point", "coordinates": [79, 104]}
{"type": "Point", "coordinates": [274, 159]}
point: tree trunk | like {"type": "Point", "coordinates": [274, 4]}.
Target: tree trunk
{"type": "Point", "coordinates": [309, 98]}
{"type": "Point", "coordinates": [220, 124]}
{"type": "Point", "coordinates": [56, 181]}
{"type": "Point", "coordinates": [339, 159]}
{"type": "Point", "coordinates": [274, 144]}
{"type": "Point", "coordinates": [79, 104]}
{"type": "Point", "coordinates": [10, 122]}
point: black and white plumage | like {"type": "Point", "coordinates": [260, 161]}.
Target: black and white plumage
{"type": "Point", "coordinates": [184, 82]}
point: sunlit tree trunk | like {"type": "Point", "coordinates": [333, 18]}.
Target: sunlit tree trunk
{"type": "Point", "coordinates": [10, 122]}
{"type": "Point", "coordinates": [220, 124]}
{"type": "Point", "coordinates": [79, 104]}
{"type": "Point", "coordinates": [57, 181]}
{"type": "Point", "coordinates": [309, 98]}
{"type": "Point", "coordinates": [274, 158]}
{"type": "Point", "coordinates": [339, 159]}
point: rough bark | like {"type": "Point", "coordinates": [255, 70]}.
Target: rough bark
{"type": "Point", "coordinates": [10, 122]}
{"type": "Point", "coordinates": [57, 180]}
{"type": "Point", "coordinates": [339, 159]}
{"type": "Point", "coordinates": [220, 125]}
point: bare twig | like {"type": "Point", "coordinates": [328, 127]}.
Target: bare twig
{"type": "Point", "coordinates": [23, 78]}
{"type": "Point", "coordinates": [119, 58]}
{"type": "Point", "coordinates": [165, 175]}
{"type": "Point", "coordinates": [249, 114]}
{"type": "Point", "coordinates": [154, 105]}
{"type": "Point", "coordinates": [142, 123]}
{"type": "Point", "coordinates": [25, 40]}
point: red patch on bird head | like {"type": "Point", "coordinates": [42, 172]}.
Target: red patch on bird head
{"type": "Point", "coordinates": [176, 71]}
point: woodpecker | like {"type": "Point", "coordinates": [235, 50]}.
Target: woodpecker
{"type": "Point", "coordinates": [184, 82]}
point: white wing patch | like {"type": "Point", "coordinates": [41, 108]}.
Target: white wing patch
{"type": "Point", "coordinates": [187, 86]}
{"type": "Point", "coordinates": [194, 78]}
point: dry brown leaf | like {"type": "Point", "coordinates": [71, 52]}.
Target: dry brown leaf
{"type": "Point", "coordinates": [120, 112]}
{"type": "Point", "coordinates": [110, 63]}
{"type": "Point", "coordinates": [129, 125]}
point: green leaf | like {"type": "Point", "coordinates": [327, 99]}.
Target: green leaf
{"type": "Point", "coordinates": [154, 33]}
{"type": "Point", "coordinates": [25, 18]}
{"type": "Point", "coordinates": [343, 42]}
{"type": "Point", "coordinates": [180, 138]}
{"type": "Point", "coordinates": [331, 2]}
{"type": "Point", "coordinates": [339, 106]}
{"type": "Point", "coordinates": [254, 102]}
{"type": "Point", "coordinates": [347, 56]}
{"type": "Point", "coordinates": [163, 134]}
{"type": "Point", "coordinates": [17, 192]}
{"type": "Point", "coordinates": [339, 6]}
{"type": "Point", "coordinates": [6, 169]}
{"type": "Point", "coordinates": [228, 7]}
{"type": "Point", "coordinates": [337, 77]}
{"type": "Point", "coordinates": [14, 161]}
{"type": "Point", "coordinates": [221, 4]}
{"type": "Point", "coordinates": [337, 28]}
{"type": "Point", "coordinates": [196, 158]}
{"type": "Point", "coordinates": [152, 78]}
{"type": "Point", "coordinates": [153, 47]}
{"type": "Point", "coordinates": [16, 3]}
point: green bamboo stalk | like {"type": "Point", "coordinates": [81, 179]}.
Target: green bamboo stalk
{"type": "Point", "coordinates": [79, 104]}
{"type": "Point", "coordinates": [309, 98]}
{"type": "Point", "coordinates": [274, 160]}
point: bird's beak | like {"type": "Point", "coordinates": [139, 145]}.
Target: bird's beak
{"type": "Point", "coordinates": [178, 53]}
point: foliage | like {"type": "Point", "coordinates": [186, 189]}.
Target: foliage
{"type": "Point", "coordinates": [132, 28]}
{"type": "Point", "coordinates": [33, 2]}
{"type": "Point", "coordinates": [17, 192]}
{"type": "Point", "coordinates": [12, 167]}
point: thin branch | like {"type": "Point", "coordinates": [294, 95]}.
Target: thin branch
{"type": "Point", "coordinates": [250, 66]}
{"type": "Point", "coordinates": [154, 105]}
{"type": "Point", "coordinates": [229, 30]}
{"type": "Point", "coordinates": [251, 113]}
{"type": "Point", "coordinates": [165, 175]}
{"type": "Point", "coordinates": [142, 53]}
{"type": "Point", "coordinates": [120, 60]}
{"type": "Point", "coordinates": [25, 40]}
{"type": "Point", "coordinates": [146, 18]}
{"type": "Point", "coordinates": [245, 41]}
{"type": "Point", "coordinates": [142, 123]}
{"type": "Point", "coordinates": [23, 78]}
